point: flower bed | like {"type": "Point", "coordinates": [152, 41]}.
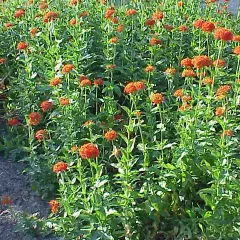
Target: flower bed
{"type": "Point", "coordinates": [127, 114]}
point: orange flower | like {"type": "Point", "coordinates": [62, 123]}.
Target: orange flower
{"type": "Point", "coordinates": [46, 105]}
{"type": "Point", "coordinates": [227, 132]}
{"type": "Point", "coordinates": [236, 38]}
{"type": "Point", "coordinates": [60, 167]}
{"type": "Point", "coordinates": [180, 4]}
{"type": "Point", "coordinates": [19, 13]}
{"type": "Point", "coordinates": [157, 15]}
{"type": "Point", "coordinates": [187, 62]}
{"type": "Point", "coordinates": [110, 66]}
{"type": "Point", "coordinates": [170, 71]}
{"type": "Point", "coordinates": [219, 111]}
{"type": "Point", "coordinates": [41, 134]}
{"type": "Point", "coordinates": [73, 22]}
{"type": "Point", "coordinates": [88, 123]}
{"type": "Point", "coordinates": [219, 63]}
{"type": "Point", "coordinates": [157, 98]}
{"type": "Point", "coordinates": [35, 118]}
{"type": "Point", "coordinates": [222, 90]}
{"type": "Point", "coordinates": [88, 151]}
{"type": "Point", "coordinates": [74, 2]}
{"type": "Point", "coordinates": [74, 149]}
{"type": "Point", "coordinates": [13, 122]}
{"type": "Point", "coordinates": [178, 93]}
{"type": "Point", "coordinates": [50, 16]}
{"type": "Point", "coordinates": [155, 41]}
{"type": "Point", "coordinates": [184, 107]}
{"type": "Point", "coordinates": [133, 87]}
{"type": "Point", "coordinates": [43, 5]}
{"type": "Point", "coordinates": [6, 200]}
{"type": "Point", "coordinates": [150, 22]}
{"type": "Point", "coordinates": [186, 98]}
{"type": "Point", "coordinates": [83, 14]}
{"type": "Point", "coordinates": [149, 68]}
{"type": "Point", "coordinates": [198, 23]}
{"type": "Point", "coordinates": [208, 26]}
{"type": "Point", "coordinates": [54, 205]}
{"type": "Point", "coordinates": [67, 68]}
{"type": "Point", "coordinates": [98, 82]}
{"type": "Point", "coordinates": [22, 45]}
{"type": "Point", "coordinates": [114, 40]}
{"type": "Point", "coordinates": [223, 34]}
{"type": "Point", "coordinates": [64, 101]}
{"type": "Point", "coordinates": [188, 73]}
{"type": "Point", "coordinates": [110, 11]}
{"type": "Point", "coordinates": [236, 50]}
{"type": "Point", "coordinates": [85, 82]}
{"type": "Point", "coordinates": [120, 28]}
{"type": "Point", "coordinates": [8, 25]}
{"type": "Point", "coordinates": [33, 32]}
{"type": "Point", "coordinates": [207, 81]}
{"type": "Point", "coordinates": [131, 12]}
{"type": "Point", "coordinates": [2, 60]}
{"type": "Point", "coordinates": [201, 61]}
{"type": "Point", "coordinates": [55, 81]}
{"type": "Point", "coordinates": [111, 135]}
{"type": "Point", "coordinates": [182, 28]}
{"type": "Point", "coordinates": [114, 20]}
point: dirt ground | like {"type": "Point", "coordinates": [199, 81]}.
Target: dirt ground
{"type": "Point", "coordinates": [24, 201]}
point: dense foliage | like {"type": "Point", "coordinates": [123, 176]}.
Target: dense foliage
{"type": "Point", "coordinates": [127, 114]}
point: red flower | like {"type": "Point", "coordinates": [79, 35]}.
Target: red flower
{"type": "Point", "coordinates": [83, 14]}
{"type": "Point", "coordinates": [157, 98]}
{"type": "Point", "coordinates": [236, 38]}
{"type": "Point", "coordinates": [187, 62]}
{"type": "Point", "coordinates": [227, 132]}
{"type": "Point", "coordinates": [201, 61]}
{"type": "Point", "coordinates": [6, 200]}
{"type": "Point", "coordinates": [8, 25]}
{"type": "Point", "coordinates": [110, 66]}
{"type": "Point", "coordinates": [41, 134]}
{"type": "Point", "coordinates": [111, 135]}
{"type": "Point", "coordinates": [98, 82]}
{"type": "Point", "coordinates": [114, 20]}
{"type": "Point", "coordinates": [43, 5]}
{"type": "Point", "coordinates": [88, 150]}
{"type": "Point", "coordinates": [22, 45]}
{"type": "Point", "coordinates": [208, 26]}
{"type": "Point", "coordinates": [19, 13]}
{"type": "Point", "coordinates": [35, 118]}
{"type": "Point", "coordinates": [110, 11]}
{"type": "Point", "coordinates": [67, 68]}
{"type": "Point", "coordinates": [236, 50]}
{"type": "Point", "coordinates": [33, 32]}
{"type": "Point", "coordinates": [168, 27]}
{"type": "Point", "coordinates": [198, 23]}
{"type": "Point", "coordinates": [55, 81]}
{"type": "Point", "coordinates": [54, 205]}
{"type": "Point", "coordinates": [13, 122]}
{"type": "Point", "coordinates": [223, 34]}
{"type": "Point", "coordinates": [150, 22]}
{"type": "Point", "coordinates": [60, 167]}
{"type": "Point", "coordinates": [46, 105]}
